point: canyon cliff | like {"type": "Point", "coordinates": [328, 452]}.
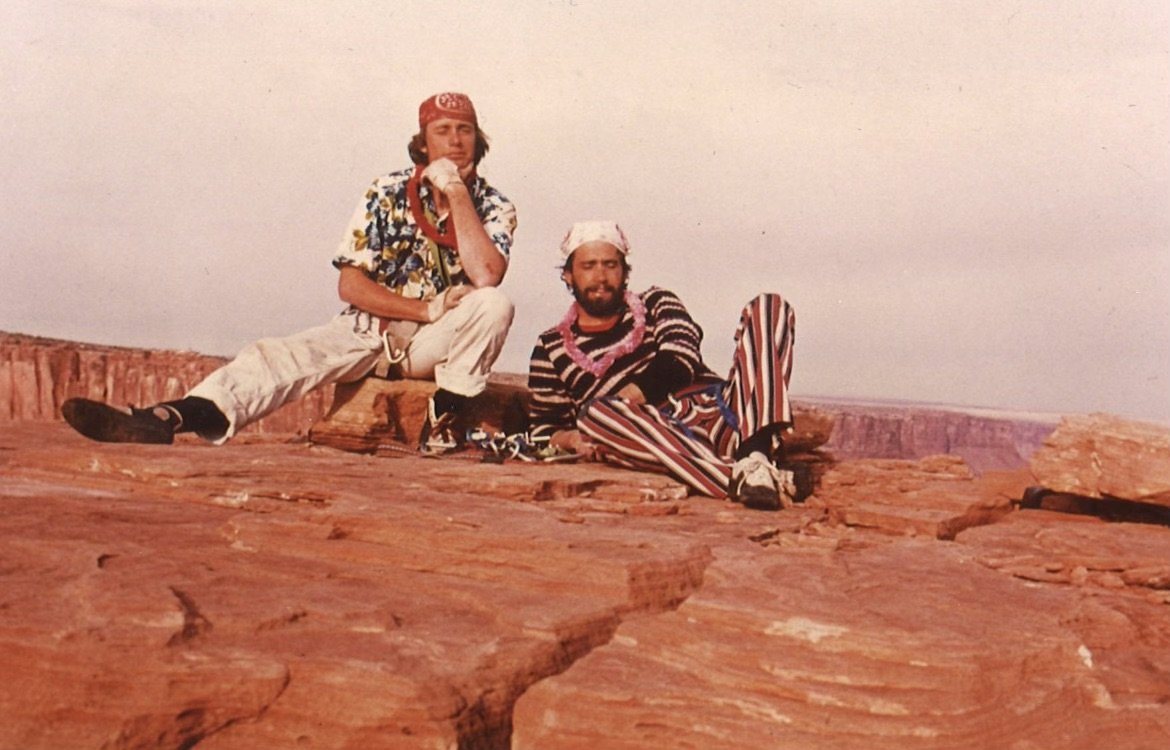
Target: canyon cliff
{"type": "Point", "coordinates": [986, 441]}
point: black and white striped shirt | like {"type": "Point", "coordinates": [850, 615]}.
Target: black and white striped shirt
{"type": "Point", "coordinates": [668, 358]}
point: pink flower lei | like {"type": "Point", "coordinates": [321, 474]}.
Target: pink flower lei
{"type": "Point", "coordinates": [629, 343]}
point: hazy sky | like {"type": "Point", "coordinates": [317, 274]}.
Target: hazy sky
{"type": "Point", "coordinates": [966, 202]}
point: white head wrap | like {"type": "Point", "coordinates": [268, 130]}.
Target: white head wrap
{"type": "Point", "coordinates": [594, 231]}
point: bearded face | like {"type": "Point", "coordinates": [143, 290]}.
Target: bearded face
{"type": "Point", "coordinates": [597, 277]}
{"type": "Point", "coordinates": [600, 300]}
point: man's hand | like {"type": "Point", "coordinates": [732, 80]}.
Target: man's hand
{"type": "Point", "coordinates": [574, 442]}
{"type": "Point", "coordinates": [456, 293]}
{"type": "Point", "coordinates": [443, 174]}
{"type": "Point", "coordinates": [632, 394]}
{"type": "Point", "coordinates": [446, 300]}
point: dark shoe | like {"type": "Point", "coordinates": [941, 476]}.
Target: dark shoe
{"type": "Point", "coordinates": [439, 435]}
{"type": "Point", "coordinates": [98, 421]}
{"type": "Point", "coordinates": [758, 484]}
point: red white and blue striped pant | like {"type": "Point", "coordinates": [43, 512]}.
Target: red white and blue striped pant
{"type": "Point", "coordinates": [694, 435]}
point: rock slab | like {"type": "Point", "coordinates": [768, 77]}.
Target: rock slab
{"type": "Point", "coordinates": [279, 595]}
{"type": "Point", "coordinates": [1102, 456]}
{"type": "Point", "coordinates": [271, 593]}
{"type": "Point", "coordinates": [901, 645]}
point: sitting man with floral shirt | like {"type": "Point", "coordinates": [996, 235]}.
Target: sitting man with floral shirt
{"type": "Point", "coordinates": [622, 379]}
{"type": "Point", "coordinates": [418, 268]}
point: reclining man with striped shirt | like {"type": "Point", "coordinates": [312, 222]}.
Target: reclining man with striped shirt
{"type": "Point", "coordinates": [621, 379]}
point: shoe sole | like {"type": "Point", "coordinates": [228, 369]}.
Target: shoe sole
{"type": "Point", "coordinates": [756, 498]}
{"type": "Point", "coordinates": [759, 499]}
{"type": "Point", "coordinates": [105, 424]}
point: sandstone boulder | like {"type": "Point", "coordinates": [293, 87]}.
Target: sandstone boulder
{"type": "Point", "coordinates": [374, 411]}
{"type": "Point", "coordinates": [1103, 456]}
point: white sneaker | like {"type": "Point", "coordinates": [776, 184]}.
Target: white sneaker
{"type": "Point", "coordinates": [758, 484]}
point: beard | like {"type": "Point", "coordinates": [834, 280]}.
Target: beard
{"type": "Point", "coordinates": [610, 303]}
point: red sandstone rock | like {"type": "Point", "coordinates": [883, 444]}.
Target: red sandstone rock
{"type": "Point", "coordinates": [1123, 576]}
{"type": "Point", "coordinates": [905, 644]}
{"type": "Point", "coordinates": [374, 411]}
{"type": "Point", "coordinates": [1082, 551]}
{"type": "Point", "coordinates": [1103, 456]}
{"type": "Point", "coordinates": [277, 595]}
{"type": "Point", "coordinates": [273, 594]}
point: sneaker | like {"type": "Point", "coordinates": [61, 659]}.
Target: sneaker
{"type": "Point", "coordinates": [758, 484]}
{"type": "Point", "coordinates": [104, 423]}
{"type": "Point", "coordinates": [439, 435]}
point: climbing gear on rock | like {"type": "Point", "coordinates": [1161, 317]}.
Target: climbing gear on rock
{"type": "Point", "coordinates": [499, 447]}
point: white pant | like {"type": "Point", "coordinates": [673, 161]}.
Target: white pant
{"type": "Point", "coordinates": [457, 350]}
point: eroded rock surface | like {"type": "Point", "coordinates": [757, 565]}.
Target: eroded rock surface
{"type": "Point", "coordinates": [270, 593]}
{"type": "Point", "coordinates": [279, 595]}
{"type": "Point", "coordinates": [905, 644]}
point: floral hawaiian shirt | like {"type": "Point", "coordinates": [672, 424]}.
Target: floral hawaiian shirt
{"type": "Point", "coordinates": [384, 241]}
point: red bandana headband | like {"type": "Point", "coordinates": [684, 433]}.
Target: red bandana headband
{"type": "Point", "coordinates": [450, 104]}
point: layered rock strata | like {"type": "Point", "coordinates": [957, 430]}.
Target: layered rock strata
{"type": "Point", "coordinates": [985, 442]}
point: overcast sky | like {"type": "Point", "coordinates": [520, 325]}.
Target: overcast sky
{"type": "Point", "coordinates": [966, 202]}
